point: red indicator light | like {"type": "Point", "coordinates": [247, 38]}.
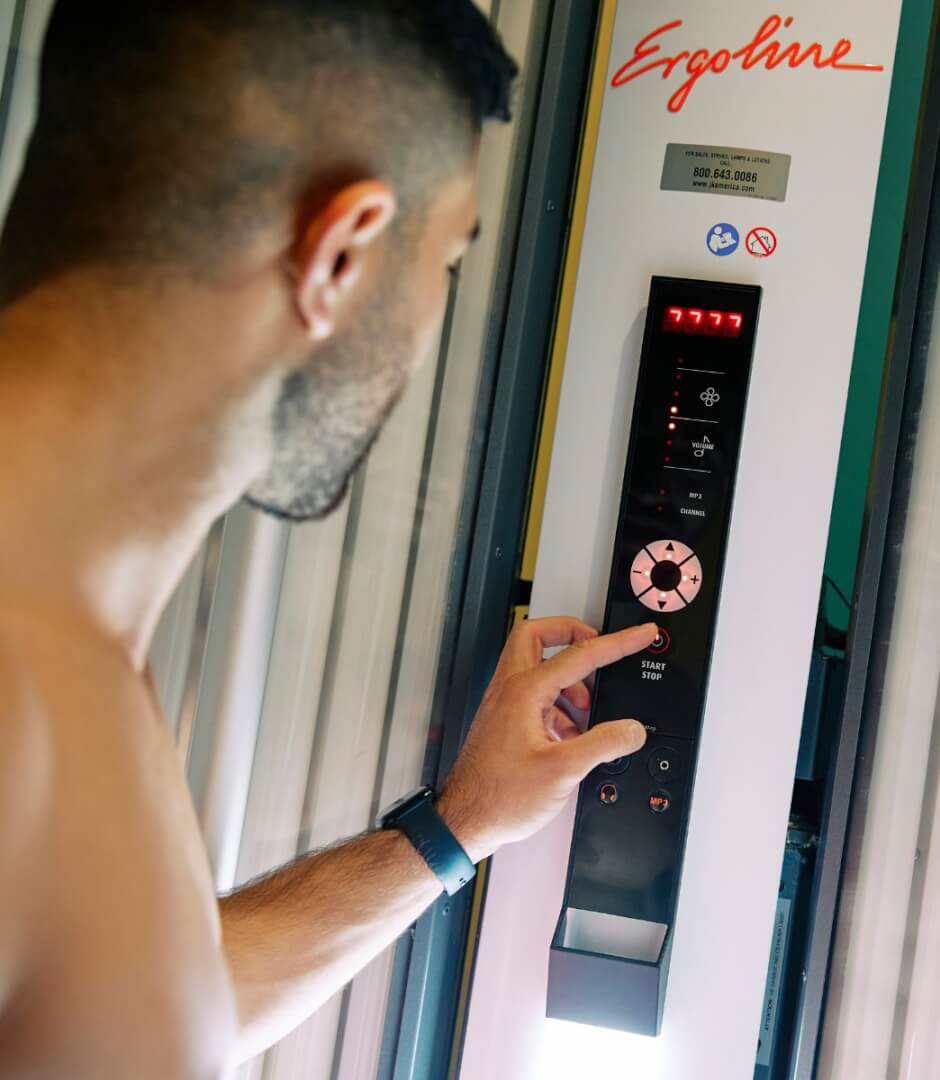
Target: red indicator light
{"type": "Point", "coordinates": [672, 427]}
{"type": "Point", "coordinates": [695, 318]}
{"type": "Point", "coordinates": [673, 409]}
{"type": "Point", "coordinates": [675, 316]}
{"type": "Point", "coordinates": [734, 324]}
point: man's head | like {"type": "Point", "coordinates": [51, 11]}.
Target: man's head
{"type": "Point", "coordinates": [330, 145]}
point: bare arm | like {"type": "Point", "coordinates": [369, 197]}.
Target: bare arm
{"type": "Point", "coordinates": [295, 938]}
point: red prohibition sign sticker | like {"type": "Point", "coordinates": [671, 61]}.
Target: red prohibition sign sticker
{"type": "Point", "coordinates": [761, 242]}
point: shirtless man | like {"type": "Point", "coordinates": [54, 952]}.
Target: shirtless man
{"type": "Point", "coordinates": [228, 250]}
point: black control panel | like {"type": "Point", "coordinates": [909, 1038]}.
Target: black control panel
{"type": "Point", "coordinates": [667, 568]}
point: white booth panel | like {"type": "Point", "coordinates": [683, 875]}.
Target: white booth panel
{"type": "Point", "coordinates": [828, 117]}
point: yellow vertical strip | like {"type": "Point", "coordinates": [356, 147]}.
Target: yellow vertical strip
{"type": "Point", "coordinates": [566, 299]}
{"type": "Point", "coordinates": [547, 434]}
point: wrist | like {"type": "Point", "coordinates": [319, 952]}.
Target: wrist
{"type": "Point", "coordinates": [430, 883]}
{"type": "Point", "coordinates": [418, 817]}
{"type": "Point", "coordinates": [460, 819]}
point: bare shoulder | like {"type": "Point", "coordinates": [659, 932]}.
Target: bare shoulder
{"type": "Point", "coordinates": [23, 806]}
{"type": "Point", "coordinates": [21, 740]}
{"type": "Point", "coordinates": [113, 926]}
{"type": "Point", "coordinates": [22, 735]}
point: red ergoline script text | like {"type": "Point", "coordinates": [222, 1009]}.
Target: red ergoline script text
{"type": "Point", "coordinates": [763, 49]}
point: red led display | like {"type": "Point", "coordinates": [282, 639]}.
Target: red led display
{"type": "Point", "coordinates": [726, 324]}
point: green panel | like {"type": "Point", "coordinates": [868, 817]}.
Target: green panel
{"type": "Point", "coordinates": [874, 325]}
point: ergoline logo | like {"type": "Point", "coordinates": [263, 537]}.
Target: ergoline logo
{"type": "Point", "coordinates": [763, 49]}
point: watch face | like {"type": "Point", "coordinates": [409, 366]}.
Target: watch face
{"type": "Point", "coordinates": [403, 806]}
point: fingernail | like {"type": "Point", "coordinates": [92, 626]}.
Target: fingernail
{"type": "Point", "coordinates": [637, 735]}
{"type": "Point", "coordinates": [650, 626]}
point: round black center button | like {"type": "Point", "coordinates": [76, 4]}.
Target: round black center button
{"type": "Point", "coordinates": [665, 764]}
{"type": "Point", "coordinates": [666, 576]}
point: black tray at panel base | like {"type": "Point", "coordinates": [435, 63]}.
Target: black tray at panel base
{"type": "Point", "coordinates": [625, 993]}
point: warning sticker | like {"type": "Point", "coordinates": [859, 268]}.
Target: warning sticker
{"type": "Point", "coordinates": [761, 242]}
{"type": "Point", "coordinates": [768, 1027]}
{"type": "Point", "coordinates": [726, 170]}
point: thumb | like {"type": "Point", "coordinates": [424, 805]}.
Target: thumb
{"type": "Point", "coordinates": [604, 742]}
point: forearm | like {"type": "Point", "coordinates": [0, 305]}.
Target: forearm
{"type": "Point", "coordinates": [295, 938]}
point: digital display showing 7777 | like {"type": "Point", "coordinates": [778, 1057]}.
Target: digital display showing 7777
{"type": "Point", "coordinates": [681, 320]}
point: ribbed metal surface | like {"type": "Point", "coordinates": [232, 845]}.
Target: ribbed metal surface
{"type": "Point", "coordinates": [880, 1018]}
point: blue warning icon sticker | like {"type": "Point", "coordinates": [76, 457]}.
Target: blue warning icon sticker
{"type": "Point", "coordinates": [723, 239]}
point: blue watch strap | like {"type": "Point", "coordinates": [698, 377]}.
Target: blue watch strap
{"type": "Point", "coordinates": [417, 818]}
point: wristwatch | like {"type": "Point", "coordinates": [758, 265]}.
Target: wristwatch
{"type": "Point", "coordinates": [416, 817]}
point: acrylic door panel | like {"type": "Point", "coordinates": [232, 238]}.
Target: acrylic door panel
{"type": "Point", "coordinates": [880, 1018]}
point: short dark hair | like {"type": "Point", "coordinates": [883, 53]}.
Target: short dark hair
{"type": "Point", "coordinates": [168, 130]}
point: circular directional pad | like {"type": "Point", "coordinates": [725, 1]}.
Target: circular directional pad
{"type": "Point", "coordinates": [666, 576]}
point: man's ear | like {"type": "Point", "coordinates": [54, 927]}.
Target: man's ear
{"type": "Point", "coordinates": [333, 249]}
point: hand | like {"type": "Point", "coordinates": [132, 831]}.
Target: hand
{"type": "Point", "coordinates": [524, 755]}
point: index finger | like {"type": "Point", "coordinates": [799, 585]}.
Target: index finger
{"type": "Point", "coordinates": [528, 641]}
{"type": "Point", "coordinates": [582, 659]}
